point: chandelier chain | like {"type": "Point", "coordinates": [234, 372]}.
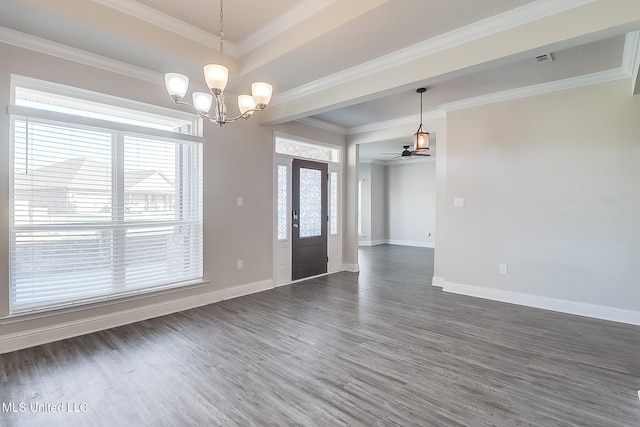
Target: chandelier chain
{"type": "Point", "coordinates": [221, 34]}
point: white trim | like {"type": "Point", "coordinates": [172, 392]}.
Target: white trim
{"type": "Point", "coordinates": [305, 278]}
{"type": "Point", "coordinates": [352, 268]}
{"type": "Point", "coordinates": [22, 111]}
{"type": "Point", "coordinates": [554, 304]}
{"type": "Point", "coordinates": [62, 51]}
{"type": "Point", "coordinates": [321, 124]}
{"type": "Point", "coordinates": [46, 334]}
{"type": "Point", "coordinates": [631, 42]}
{"type": "Point", "coordinates": [413, 119]}
{"type": "Point", "coordinates": [282, 23]}
{"type": "Point", "coordinates": [169, 23]}
{"type": "Point", "coordinates": [539, 89]}
{"type": "Point", "coordinates": [371, 242]}
{"type": "Point", "coordinates": [437, 281]}
{"type": "Point", "coordinates": [510, 19]}
{"type": "Point", "coordinates": [411, 243]}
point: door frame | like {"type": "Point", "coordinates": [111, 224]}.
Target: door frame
{"type": "Point", "coordinates": [282, 248]}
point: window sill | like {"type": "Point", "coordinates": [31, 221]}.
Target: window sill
{"type": "Point", "coordinates": [22, 316]}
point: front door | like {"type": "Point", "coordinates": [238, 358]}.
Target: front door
{"type": "Point", "coordinates": [309, 219]}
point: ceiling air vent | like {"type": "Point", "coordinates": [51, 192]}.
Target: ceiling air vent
{"type": "Point", "coordinates": [544, 58]}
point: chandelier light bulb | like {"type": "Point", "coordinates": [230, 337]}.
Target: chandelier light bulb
{"type": "Point", "coordinates": [261, 94]}
{"type": "Point", "coordinates": [202, 101]}
{"type": "Point", "coordinates": [216, 76]}
{"type": "Point", "coordinates": [246, 103]}
{"type": "Point", "coordinates": [177, 85]}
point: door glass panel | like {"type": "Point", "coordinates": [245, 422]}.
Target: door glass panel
{"type": "Point", "coordinates": [282, 202]}
{"type": "Point", "coordinates": [310, 202]}
{"type": "Point", "coordinates": [333, 203]}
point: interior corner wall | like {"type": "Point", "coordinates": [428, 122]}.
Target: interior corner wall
{"type": "Point", "coordinates": [550, 184]}
{"type": "Point", "coordinates": [411, 203]}
{"type": "Point", "coordinates": [378, 203]}
{"type": "Point", "coordinates": [230, 232]}
{"type": "Point", "coordinates": [364, 176]}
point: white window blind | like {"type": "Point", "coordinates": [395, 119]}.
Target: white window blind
{"type": "Point", "coordinates": [100, 212]}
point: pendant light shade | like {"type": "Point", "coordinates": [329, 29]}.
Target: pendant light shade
{"type": "Point", "coordinates": [421, 137]}
{"type": "Point", "coordinates": [177, 85]}
{"type": "Point", "coordinates": [216, 76]}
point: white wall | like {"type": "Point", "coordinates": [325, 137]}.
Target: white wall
{"type": "Point", "coordinates": [378, 203]}
{"type": "Point", "coordinates": [411, 203]}
{"type": "Point", "coordinates": [373, 203]}
{"type": "Point", "coordinates": [364, 176]}
{"type": "Point", "coordinates": [551, 189]}
{"type": "Point", "coordinates": [230, 232]}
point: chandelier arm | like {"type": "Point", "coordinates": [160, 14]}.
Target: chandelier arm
{"type": "Point", "coordinates": [244, 115]}
{"type": "Point", "coordinates": [213, 119]}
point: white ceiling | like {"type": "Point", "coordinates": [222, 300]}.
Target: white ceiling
{"type": "Point", "coordinates": [348, 64]}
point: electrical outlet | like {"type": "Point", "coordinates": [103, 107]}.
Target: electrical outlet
{"type": "Point", "coordinates": [240, 264]}
{"type": "Point", "coordinates": [503, 268]}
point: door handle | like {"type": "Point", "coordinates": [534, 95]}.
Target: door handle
{"type": "Point", "coordinates": [295, 225]}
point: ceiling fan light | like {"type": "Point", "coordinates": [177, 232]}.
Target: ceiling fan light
{"type": "Point", "coordinates": [202, 101]}
{"type": "Point", "coordinates": [246, 103]}
{"type": "Point", "coordinates": [177, 85]}
{"type": "Point", "coordinates": [216, 76]}
{"type": "Point", "coordinates": [261, 94]}
{"type": "Point", "coordinates": [421, 141]}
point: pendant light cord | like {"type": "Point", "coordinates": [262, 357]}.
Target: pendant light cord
{"type": "Point", "coordinates": [421, 93]}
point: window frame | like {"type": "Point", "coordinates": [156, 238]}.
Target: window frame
{"type": "Point", "coordinates": [120, 131]}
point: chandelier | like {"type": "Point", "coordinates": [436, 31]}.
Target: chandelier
{"type": "Point", "coordinates": [216, 76]}
{"type": "Point", "coordinates": [421, 137]}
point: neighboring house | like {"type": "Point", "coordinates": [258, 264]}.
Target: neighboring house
{"type": "Point", "coordinates": [82, 186]}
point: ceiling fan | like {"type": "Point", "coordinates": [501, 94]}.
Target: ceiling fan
{"type": "Point", "coordinates": [408, 153]}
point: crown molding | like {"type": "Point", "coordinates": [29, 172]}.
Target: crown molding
{"type": "Point", "coordinates": [631, 42]}
{"type": "Point", "coordinates": [539, 89]}
{"type": "Point", "coordinates": [507, 20]}
{"type": "Point", "coordinates": [169, 23]}
{"type": "Point", "coordinates": [59, 50]}
{"type": "Point", "coordinates": [413, 119]}
{"type": "Point", "coordinates": [287, 20]}
{"type": "Point", "coordinates": [321, 124]}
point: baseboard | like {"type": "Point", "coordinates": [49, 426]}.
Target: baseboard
{"type": "Point", "coordinates": [554, 304]}
{"type": "Point", "coordinates": [33, 337]}
{"type": "Point", "coordinates": [411, 243]}
{"type": "Point", "coordinates": [352, 268]}
{"type": "Point", "coordinates": [371, 242]}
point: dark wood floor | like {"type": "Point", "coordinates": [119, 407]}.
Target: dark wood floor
{"type": "Point", "coordinates": [379, 348]}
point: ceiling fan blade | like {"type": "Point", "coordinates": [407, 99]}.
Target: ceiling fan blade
{"type": "Point", "coordinates": [421, 154]}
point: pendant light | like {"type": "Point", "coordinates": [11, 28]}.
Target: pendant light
{"type": "Point", "coordinates": [421, 137]}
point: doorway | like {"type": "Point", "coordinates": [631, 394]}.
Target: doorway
{"type": "Point", "coordinates": [309, 218]}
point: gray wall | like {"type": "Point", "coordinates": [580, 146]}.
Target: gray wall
{"type": "Point", "coordinates": [551, 188]}
{"type": "Point", "coordinates": [230, 232]}
{"type": "Point", "coordinates": [373, 176]}
{"type": "Point", "coordinates": [378, 202]}
{"type": "Point", "coordinates": [411, 203]}
{"type": "Point", "coordinates": [398, 203]}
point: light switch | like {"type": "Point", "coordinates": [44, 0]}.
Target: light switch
{"type": "Point", "coordinates": [240, 201]}
{"type": "Point", "coordinates": [458, 202]}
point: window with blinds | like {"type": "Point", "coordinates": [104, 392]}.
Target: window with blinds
{"type": "Point", "coordinates": [100, 210]}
